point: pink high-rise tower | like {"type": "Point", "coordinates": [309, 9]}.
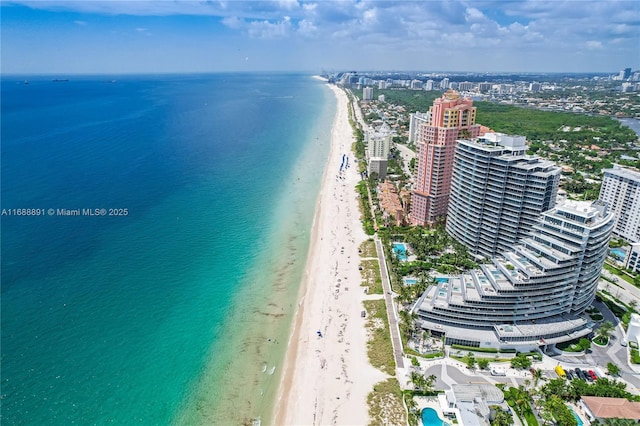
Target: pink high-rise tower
{"type": "Point", "coordinates": [450, 117]}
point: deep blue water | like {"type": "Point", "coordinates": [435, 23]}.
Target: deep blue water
{"type": "Point", "coordinates": [111, 318]}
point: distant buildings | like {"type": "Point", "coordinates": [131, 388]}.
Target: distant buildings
{"type": "Point", "coordinates": [367, 94]}
{"type": "Point", "coordinates": [621, 190]}
{"type": "Point", "coordinates": [533, 294]}
{"type": "Point", "coordinates": [624, 74]}
{"type": "Point", "coordinates": [498, 192]}
{"type": "Point", "coordinates": [415, 121]}
{"type": "Point", "coordinates": [449, 116]}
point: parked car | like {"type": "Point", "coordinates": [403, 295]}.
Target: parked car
{"type": "Point", "coordinates": [580, 374]}
{"type": "Point", "coordinates": [593, 375]}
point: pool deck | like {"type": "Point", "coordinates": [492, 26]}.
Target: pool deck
{"type": "Point", "coordinates": [429, 402]}
{"type": "Point", "coordinates": [580, 412]}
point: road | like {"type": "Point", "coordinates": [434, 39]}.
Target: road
{"type": "Point", "coordinates": [407, 155]}
{"type": "Point", "coordinates": [621, 290]}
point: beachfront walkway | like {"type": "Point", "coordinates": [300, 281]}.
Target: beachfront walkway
{"type": "Point", "coordinates": [391, 311]}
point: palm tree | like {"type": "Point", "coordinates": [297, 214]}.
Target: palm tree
{"type": "Point", "coordinates": [604, 331]}
{"type": "Point", "coordinates": [415, 379]}
{"type": "Point", "coordinates": [536, 375]}
{"type": "Point", "coordinates": [408, 323]}
{"type": "Point", "coordinates": [412, 406]}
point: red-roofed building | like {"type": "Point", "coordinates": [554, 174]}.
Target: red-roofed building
{"type": "Point", "coordinates": [597, 407]}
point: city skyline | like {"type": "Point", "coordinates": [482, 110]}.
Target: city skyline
{"type": "Point", "coordinates": [71, 37]}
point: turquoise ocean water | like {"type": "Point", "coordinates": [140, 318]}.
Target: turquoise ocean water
{"type": "Point", "coordinates": [179, 311]}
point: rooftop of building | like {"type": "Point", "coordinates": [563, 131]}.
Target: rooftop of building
{"type": "Point", "coordinates": [592, 212]}
{"type": "Point", "coordinates": [472, 392]}
{"type": "Point", "coordinates": [611, 408]}
{"type": "Point", "coordinates": [624, 172]}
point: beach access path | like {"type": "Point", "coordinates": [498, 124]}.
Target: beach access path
{"type": "Point", "coordinates": [394, 328]}
{"type": "Point", "coordinates": [327, 375]}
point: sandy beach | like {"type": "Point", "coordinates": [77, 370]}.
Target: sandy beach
{"type": "Point", "coordinates": [326, 378]}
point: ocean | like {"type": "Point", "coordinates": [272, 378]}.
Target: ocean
{"type": "Point", "coordinates": [153, 274]}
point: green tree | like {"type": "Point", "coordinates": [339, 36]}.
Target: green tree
{"type": "Point", "coordinates": [500, 417]}
{"type": "Point", "coordinates": [585, 344]}
{"type": "Point", "coordinates": [536, 375]}
{"type": "Point", "coordinates": [470, 360]}
{"type": "Point", "coordinates": [416, 379]}
{"type": "Point", "coordinates": [613, 369]}
{"type": "Point", "coordinates": [560, 411]}
{"type": "Point", "coordinates": [520, 361]}
{"type": "Point", "coordinates": [483, 363]}
{"type": "Point", "coordinates": [604, 331]}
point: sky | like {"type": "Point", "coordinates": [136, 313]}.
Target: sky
{"type": "Point", "coordinates": [173, 36]}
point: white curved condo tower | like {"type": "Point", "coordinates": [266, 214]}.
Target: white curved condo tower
{"type": "Point", "coordinates": [498, 192]}
{"type": "Point", "coordinates": [534, 294]}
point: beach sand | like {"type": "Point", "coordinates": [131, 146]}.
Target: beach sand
{"type": "Point", "coordinates": [326, 379]}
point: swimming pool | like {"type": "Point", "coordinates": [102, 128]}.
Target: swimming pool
{"type": "Point", "coordinates": [578, 419]}
{"type": "Point", "coordinates": [618, 253]}
{"type": "Point", "coordinates": [442, 280]}
{"type": "Point", "coordinates": [430, 418]}
{"type": "Point", "coordinates": [410, 281]}
{"type": "Point", "coordinates": [400, 250]}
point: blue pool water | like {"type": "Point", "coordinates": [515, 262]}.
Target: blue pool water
{"type": "Point", "coordinates": [618, 253]}
{"type": "Point", "coordinates": [410, 281]}
{"type": "Point", "coordinates": [430, 418]}
{"type": "Point", "coordinates": [442, 280]}
{"type": "Point", "coordinates": [400, 250]}
{"type": "Point", "coordinates": [578, 419]}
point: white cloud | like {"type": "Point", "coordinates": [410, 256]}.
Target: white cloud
{"type": "Point", "coordinates": [233, 22]}
{"type": "Point", "coordinates": [593, 45]}
{"type": "Point", "coordinates": [267, 29]}
{"type": "Point", "coordinates": [81, 23]}
{"type": "Point", "coordinates": [474, 15]}
{"type": "Point", "coordinates": [307, 28]}
{"type": "Point", "coordinates": [288, 4]}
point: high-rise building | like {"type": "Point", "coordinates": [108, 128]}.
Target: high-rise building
{"type": "Point", "coordinates": [378, 144]}
{"type": "Point", "coordinates": [625, 73]}
{"type": "Point", "coordinates": [466, 86]}
{"type": "Point", "coordinates": [632, 261]}
{"type": "Point", "coordinates": [498, 192]}
{"type": "Point", "coordinates": [444, 84]}
{"type": "Point", "coordinates": [621, 190]}
{"type": "Point", "coordinates": [378, 141]}
{"type": "Point", "coordinates": [367, 94]}
{"type": "Point", "coordinates": [448, 116]}
{"type": "Point", "coordinates": [534, 87]}
{"type": "Point", "coordinates": [484, 87]}
{"type": "Point", "coordinates": [532, 295]}
{"type": "Point", "coordinates": [429, 85]}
